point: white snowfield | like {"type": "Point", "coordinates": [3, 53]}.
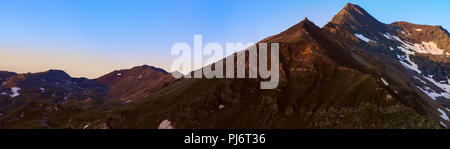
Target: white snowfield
{"type": "Point", "coordinates": [443, 114]}
{"type": "Point", "coordinates": [384, 81]}
{"type": "Point", "coordinates": [444, 86]}
{"type": "Point", "coordinates": [15, 92]}
{"type": "Point", "coordinates": [392, 49]}
{"type": "Point", "coordinates": [423, 48]}
{"type": "Point", "coordinates": [433, 94]}
{"type": "Point", "coordinates": [418, 29]}
{"type": "Point", "coordinates": [428, 48]}
{"type": "Point", "coordinates": [362, 37]}
{"type": "Point", "coordinates": [417, 78]}
{"type": "Point", "coordinates": [442, 123]}
{"type": "Point", "coordinates": [405, 48]}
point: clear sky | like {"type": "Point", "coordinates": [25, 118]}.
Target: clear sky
{"type": "Point", "coordinates": [89, 38]}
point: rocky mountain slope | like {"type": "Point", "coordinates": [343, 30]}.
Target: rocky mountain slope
{"type": "Point", "coordinates": [411, 60]}
{"type": "Point", "coordinates": [355, 72]}
{"type": "Point", "coordinates": [135, 83]}
{"type": "Point", "coordinates": [53, 90]}
{"type": "Point", "coordinates": [4, 75]}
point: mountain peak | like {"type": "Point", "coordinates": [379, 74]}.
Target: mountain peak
{"type": "Point", "coordinates": [305, 25]}
{"type": "Point", "coordinates": [145, 67]}
{"type": "Point", "coordinates": [306, 22]}
{"type": "Point", "coordinates": [295, 32]}
{"type": "Point", "coordinates": [352, 13]}
{"type": "Point", "coordinates": [159, 69]}
{"type": "Point", "coordinates": [55, 73]}
{"type": "Point", "coordinates": [353, 8]}
{"type": "Point", "coordinates": [355, 17]}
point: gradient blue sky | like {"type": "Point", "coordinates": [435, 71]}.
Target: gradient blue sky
{"type": "Point", "coordinates": [93, 37]}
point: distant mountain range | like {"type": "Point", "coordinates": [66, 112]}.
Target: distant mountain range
{"type": "Point", "coordinates": [354, 72]}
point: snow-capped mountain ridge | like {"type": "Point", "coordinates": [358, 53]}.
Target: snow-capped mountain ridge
{"type": "Point", "coordinates": [420, 53]}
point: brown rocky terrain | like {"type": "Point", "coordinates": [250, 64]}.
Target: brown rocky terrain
{"type": "Point", "coordinates": [135, 83]}
{"type": "Point", "coordinates": [355, 72]}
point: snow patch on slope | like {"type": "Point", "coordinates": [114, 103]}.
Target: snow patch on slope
{"type": "Point", "coordinates": [424, 47]}
{"type": "Point", "coordinates": [86, 126]}
{"type": "Point", "coordinates": [442, 85]}
{"type": "Point", "coordinates": [392, 49]}
{"type": "Point", "coordinates": [15, 92]}
{"type": "Point", "coordinates": [165, 124]}
{"type": "Point", "coordinates": [432, 94]}
{"type": "Point", "coordinates": [362, 37]}
{"type": "Point", "coordinates": [405, 48]}
{"type": "Point", "coordinates": [417, 78]}
{"type": "Point", "coordinates": [443, 115]}
{"type": "Point", "coordinates": [442, 123]}
{"type": "Point", "coordinates": [387, 35]}
{"type": "Point", "coordinates": [410, 65]}
{"type": "Point", "coordinates": [411, 49]}
{"type": "Point", "coordinates": [428, 48]}
{"type": "Point", "coordinates": [384, 81]}
{"type": "Point", "coordinates": [445, 87]}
